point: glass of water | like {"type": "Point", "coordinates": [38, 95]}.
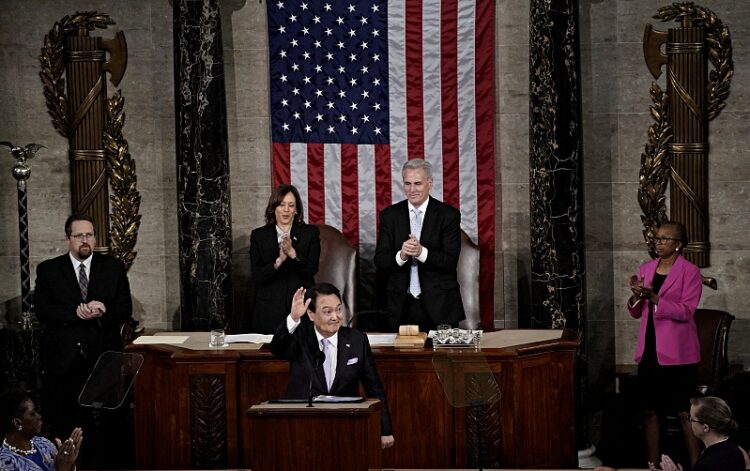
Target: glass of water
{"type": "Point", "coordinates": [217, 339]}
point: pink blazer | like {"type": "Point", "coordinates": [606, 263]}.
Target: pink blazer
{"type": "Point", "coordinates": [676, 334]}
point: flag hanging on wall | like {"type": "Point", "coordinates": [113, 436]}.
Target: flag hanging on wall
{"type": "Point", "coordinates": [360, 86]}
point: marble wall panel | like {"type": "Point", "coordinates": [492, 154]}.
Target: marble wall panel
{"type": "Point", "coordinates": [599, 147]}
{"type": "Point", "coordinates": [512, 81]}
{"type": "Point", "coordinates": [729, 138]}
{"type": "Point", "coordinates": [599, 84]}
{"type": "Point", "coordinates": [632, 136]}
{"type": "Point", "coordinates": [512, 25]}
{"type": "Point", "coordinates": [599, 281]}
{"type": "Point", "coordinates": [513, 144]}
{"type": "Point", "coordinates": [247, 96]}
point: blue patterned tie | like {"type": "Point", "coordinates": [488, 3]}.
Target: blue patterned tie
{"type": "Point", "coordinates": [416, 228]}
{"type": "Point", "coordinates": [327, 363]}
{"type": "Point", "coordinates": [83, 281]}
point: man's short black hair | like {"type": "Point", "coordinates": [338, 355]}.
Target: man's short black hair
{"type": "Point", "coordinates": [320, 289]}
{"type": "Point", "coordinates": [73, 218]}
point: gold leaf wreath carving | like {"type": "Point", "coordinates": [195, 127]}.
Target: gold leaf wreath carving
{"type": "Point", "coordinates": [654, 173]}
{"type": "Point", "coordinates": [125, 199]}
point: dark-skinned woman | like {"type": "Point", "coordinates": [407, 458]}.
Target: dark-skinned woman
{"type": "Point", "coordinates": [665, 294]}
{"type": "Point", "coordinates": [22, 448]}
{"type": "Point", "coordinates": [284, 255]}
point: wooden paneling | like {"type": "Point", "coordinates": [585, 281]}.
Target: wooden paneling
{"type": "Point", "coordinates": [532, 424]}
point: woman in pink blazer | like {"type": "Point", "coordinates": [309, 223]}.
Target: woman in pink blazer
{"type": "Point", "coordinates": [666, 292]}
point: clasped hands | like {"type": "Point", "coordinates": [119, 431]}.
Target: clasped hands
{"type": "Point", "coordinates": [67, 451]}
{"type": "Point", "coordinates": [411, 248]}
{"type": "Point", "coordinates": [90, 310]}
{"type": "Point", "coordinates": [286, 250]}
{"type": "Point", "coordinates": [667, 464]}
{"type": "Point", "coordinates": [642, 292]}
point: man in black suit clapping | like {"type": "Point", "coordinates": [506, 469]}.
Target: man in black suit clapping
{"type": "Point", "coordinates": [82, 297]}
{"type": "Point", "coordinates": [419, 243]}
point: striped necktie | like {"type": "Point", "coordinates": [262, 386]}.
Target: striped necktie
{"type": "Point", "coordinates": [415, 288]}
{"type": "Point", "coordinates": [83, 281]}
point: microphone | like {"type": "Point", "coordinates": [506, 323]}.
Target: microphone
{"type": "Point", "coordinates": [318, 358]}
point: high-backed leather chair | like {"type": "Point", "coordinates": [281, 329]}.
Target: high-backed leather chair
{"type": "Point", "coordinates": [713, 334]}
{"type": "Point", "coordinates": [338, 266]}
{"type": "Point", "coordinates": [468, 278]}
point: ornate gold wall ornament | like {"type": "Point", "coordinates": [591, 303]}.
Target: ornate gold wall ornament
{"type": "Point", "coordinates": [678, 140]}
{"type": "Point", "coordinates": [92, 123]}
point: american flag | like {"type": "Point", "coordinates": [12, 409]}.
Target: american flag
{"type": "Point", "coordinates": [359, 87]}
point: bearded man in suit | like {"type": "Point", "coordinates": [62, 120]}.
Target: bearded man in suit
{"type": "Point", "coordinates": [82, 298]}
{"type": "Point", "coordinates": [419, 243]}
{"type": "Point", "coordinates": [326, 358]}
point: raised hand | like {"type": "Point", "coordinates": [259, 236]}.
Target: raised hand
{"type": "Point", "coordinates": [299, 305]}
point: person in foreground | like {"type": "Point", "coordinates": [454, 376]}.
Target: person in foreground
{"type": "Point", "coordinates": [710, 420]}
{"type": "Point", "coordinates": [284, 255]}
{"type": "Point", "coordinates": [82, 298]}
{"type": "Point", "coordinates": [665, 294]}
{"type": "Point", "coordinates": [419, 243]}
{"type": "Point", "coordinates": [22, 449]}
{"type": "Point", "coordinates": [326, 358]}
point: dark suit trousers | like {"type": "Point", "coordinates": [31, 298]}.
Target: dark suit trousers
{"type": "Point", "coordinates": [414, 313]}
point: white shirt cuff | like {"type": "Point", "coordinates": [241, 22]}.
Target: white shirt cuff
{"type": "Point", "coordinates": [400, 260]}
{"type": "Point", "coordinates": [291, 324]}
{"type": "Point", "coordinates": [423, 255]}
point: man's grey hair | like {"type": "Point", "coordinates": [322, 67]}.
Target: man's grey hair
{"type": "Point", "coordinates": [415, 164]}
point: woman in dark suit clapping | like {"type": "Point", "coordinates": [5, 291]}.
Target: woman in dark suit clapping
{"type": "Point", "coordinates": [284, 256]}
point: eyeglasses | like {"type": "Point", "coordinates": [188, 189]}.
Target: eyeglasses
{"type": "Point", "coordinates": [80, 237]}
{"type": "Point", "coordinates": [663, 240]}
{"type": "Point", "coordinates": [690, 419]}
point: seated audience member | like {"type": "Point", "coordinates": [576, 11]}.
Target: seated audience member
{"type": "Point", "coordinates": [284, 255]}
{"type": "Point", "coordinates": [326, 358]}
{"type": "Point", "coordinates": [22, 449]}
{"type": "Point", "coordinates": [711, 420]}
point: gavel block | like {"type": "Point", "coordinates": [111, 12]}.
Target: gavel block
{"type": "Point", "coordinates": [410, 336]}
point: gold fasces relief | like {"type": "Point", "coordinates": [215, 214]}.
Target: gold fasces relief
{"type": "Point", "coordinates": [677, 149]}
{"type": "Point", "coordinates": [92, 123]}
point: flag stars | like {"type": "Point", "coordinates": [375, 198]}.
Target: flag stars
{"type": "Point", "coordinates": [303, 6]}
{"type": "Point", "coordinates": [317, 44]}
{"type": "Point", "coordinates": [365, 119]}
{"type": "Point", "coordinates": [285, 127]}
{"type": "Point", "coordinates": [295, 115]}
{"type": "Point", "coordinates": [282, 54]}
{"type": "Point", "coordinates": [376, 57]}
{"type": "Point", "coordinates": [329, 56]}
{"type": "Point", "coordinates": [328, 31]}
{"type": "Point", "coordinates": [376, 106]}
{"type": "Point", "coordinates": [284, 102]}
{"type": "Point", "coordinates": [342, 118]}
{"type": "Point", "coordinates": [318, 68]}
{"type": "Point", "coordinates": [293, 18]}
{"type": "Point", "coordinates": [327, 7]}
{"type": "Point", "coordinates": [318, 93]}
{"type": "Point", "coordinates": [363, 45]}
{"type": "Point", "coordinates": [355, 130]}
{"type": "Point", "coordinates": [319, 117]}
{"type": "Point", "coordinates": [283, 78]}
{"type": "Point", "coordinates": [376, 82]}
{"type": "Point", "coordinates": [305, 31]}
{"type": "Point", "coordinates": [352, 33]}
{"type": "Point", "coordinates": [341, 69]}
{"type": "Point", "coordinates": [282, 29]}
{"type": "Point", "coordinates": [330, 105]}
{"type": "Point", "coordinates": [295, 67]}
{"type": "Point", "coordinates": [364, 69]}
{"type": "Point", "coordinates": [295, 91]}
{"type": "Point", "coordinates": [340, 20]}
{"type": "Point", "coordinates": [353, 82]}
{"type": "Point", "coordinates": [308, 104]}
{"type": "Point", "coordinates": [351, 8]}
{"type": "Point", "coordinates": [365, 94]}
{"type": "Point", "coordinates": [376, 33]}
{"type": "Point", "coordinates": [363, 21]}
{"type": "Point", "coordinates": [329, 81]}
{"type": "Point", "coordinates": [280, 5]}
{"type": "Point", "coordinates": [294, 42]}
{"type": "Point", "coordinates": [306, 55]}
{"type": "Point", "coordinates": [352, 57]}
{"type": "Point", "coordinates": [330, 130]}
{"type": "Point", "coordinates": [376, 131]}
{"type": "Point", "coordinates": [342, 94]}
{"type": "Point", "coordinates": [308, 128]}
{"type": "Point", "coordinates": [353, 106]}
{"type": "Point", "coordinates": [375, 8]}
{"type": "Point", "coordinates": [340, 45]}
{"type": "Point", "coordinates": [316, 19]}
{"type": "Point", "coordinates": [307, 80]}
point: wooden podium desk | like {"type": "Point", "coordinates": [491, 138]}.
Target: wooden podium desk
{"type": "Point", "coordinates": [294, 436]}
{"type": "Point", "coordinates": [191, 406]}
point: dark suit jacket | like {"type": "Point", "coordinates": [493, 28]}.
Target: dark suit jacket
{"type": "Point", "coordinates": [274, 288]}
{"type": "Point", "coordinates": [355, 364]}
{"type": "Point", "coordinates": [56, 297]}
{"type": "Point", "coordinates": [441, 235]}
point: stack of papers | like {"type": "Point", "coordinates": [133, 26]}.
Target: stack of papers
{"type": "Point", "coordinates": [248, 338]}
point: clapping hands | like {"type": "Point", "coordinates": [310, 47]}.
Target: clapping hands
{"type": "Point", "coordinates": [90, 310]}
{"type": "Point", "coordinates": [67, 451]}
{"type": "Point", "coordinates": [411, 247]}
